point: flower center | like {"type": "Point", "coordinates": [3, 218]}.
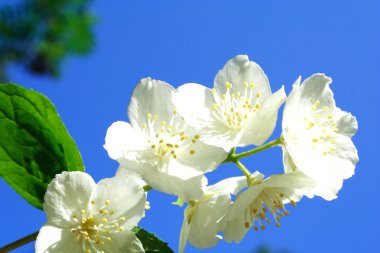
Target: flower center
{"type": "Point", "coordinates": [322, 127]}
{"type": "Point", "coordinates": [234, 109]}
{"type": "Point", "coordinates": [270, 201]}
{"type": "Point", "coordinates": [167, 139]}
{"type": "Point", "coordinates": [96, 228]}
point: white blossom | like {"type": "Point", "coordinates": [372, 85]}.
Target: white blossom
{"type": "Point", "coordinates": [317, 136]}
{"type": "Point", "coordinates": [204, 218]}
{"type": "Point", "coordinates": [262, 200]}
{"type": "Point", "coordinates": [91, 218]}
{"type": "Point", "coordinates": [240, 110]}
{"type": "Point", "coordinates": [160, 145]}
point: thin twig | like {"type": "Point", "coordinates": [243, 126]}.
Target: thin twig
{"type": "Point", "coordinates": [14, 245]}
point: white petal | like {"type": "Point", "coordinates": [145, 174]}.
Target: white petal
{"type": "Point", "coordinates": [293, 184]}
{"type": "Point", "coordinates": [231, 185]}
{"type": "Point", "coordinates": [125, 195]}
{"type": "Point", "coordinates": [328, 171]}
{"type": "Point", "coordinates": [174, 178]}
{"type": "Point", "coordinates": [243, 201]}
{"type": "Point", "coordinates": [289, 165]}
{"type": "Point", "coordinates": [315, 88]}
{"type": "Point", "coordinates": [51, 239]}
{"type": "Point", "coordinates": [202, 157]}
{"type": "Point", "coordinates": [124, 242]}
{"type": "Point", "coordinates": [293, 180]}
{"type": "Point", "coordinates": [208, 220]}
{"type": "Point", "coordinates": [292, 102]}
{"type": "Point", "coordinates": [347, 124]}
{"type": "Point", "coordinates": [239, 71]}
{"type": "Point", "coordinates": [345, 157]}
{"type": "Point", "coordinates": [123, 141]}
{"type": "Point", "coordinates": [184, 235]}
{"type": "Point", "coordinates": [302, 98]}
{"type": "Point", "coordinates": [69, 192]}
{"type": "Point", "coordinates": [150, 97]}
{"type": "Point", "coordinates": [235, 229]}
{"type": "Point", "coordinates": [261, 125]}
{"type": "Point", "coordinates": [220, 136]}
{"type": "Point", "coordinates": [129, 173]}
{"type": "Point", "coordinates": [194, 102]}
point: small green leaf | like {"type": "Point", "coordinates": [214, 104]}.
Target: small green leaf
{"type": "Point", "coordinates": [179, 202]}
{"type": "Point", "coordinates": [34, 143]}
{"type": "Point", "coordinates": [150, 242]}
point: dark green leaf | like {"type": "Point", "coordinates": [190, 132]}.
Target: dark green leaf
{"type": "Point", "coordinates": [34, 143]}
{"type": "Point", "coordinates": [150, 242]}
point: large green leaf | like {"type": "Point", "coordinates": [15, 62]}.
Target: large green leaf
{"type": "Point", "coordinates": [150, 242]}
{"type": "Point", "coordinates": [34, 143]}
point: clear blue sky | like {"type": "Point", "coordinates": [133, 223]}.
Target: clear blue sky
{"type": "Point", "coordinates": [189, 42]}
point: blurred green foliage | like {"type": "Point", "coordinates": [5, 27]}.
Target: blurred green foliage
{"type": "Point", "coordinates": [266, 249]}
{"type": "Point", "coordinates": [39, 34]}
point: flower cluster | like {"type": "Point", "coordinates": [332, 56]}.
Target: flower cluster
{"type": "Point", "coordinates": [175, 136]}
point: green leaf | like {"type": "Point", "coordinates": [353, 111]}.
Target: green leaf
{"type": "Point", "coordinates": [150, 242]}
{"type": "Point", "coordinates": [34, 143]}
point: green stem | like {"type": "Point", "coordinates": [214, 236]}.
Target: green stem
{"type": "Point", "coordinates": [243, 169]}
{"type": "Point", "coordinates": [257, 150]}
{"type": "Point", "coordinates": [19, 243]}
{"type": "Point", "coordinates": [231, 156]}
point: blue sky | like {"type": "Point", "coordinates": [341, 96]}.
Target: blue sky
{"type": "Point", "coordinates": [189, 42]}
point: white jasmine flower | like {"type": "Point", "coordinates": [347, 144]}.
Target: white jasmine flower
{"type": "Point", "coordinates": [88, 217]}
{"type": "Point", "coordinates": [264, 198]}
{"type": "Point", "coordinates": [204, 218]}
{"type": "Point", "coordinates": [240, 110]}
{"type": "Point", "coordinates": [159, 145]}
{"type": "Point", "coordinates": [317, 136]}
